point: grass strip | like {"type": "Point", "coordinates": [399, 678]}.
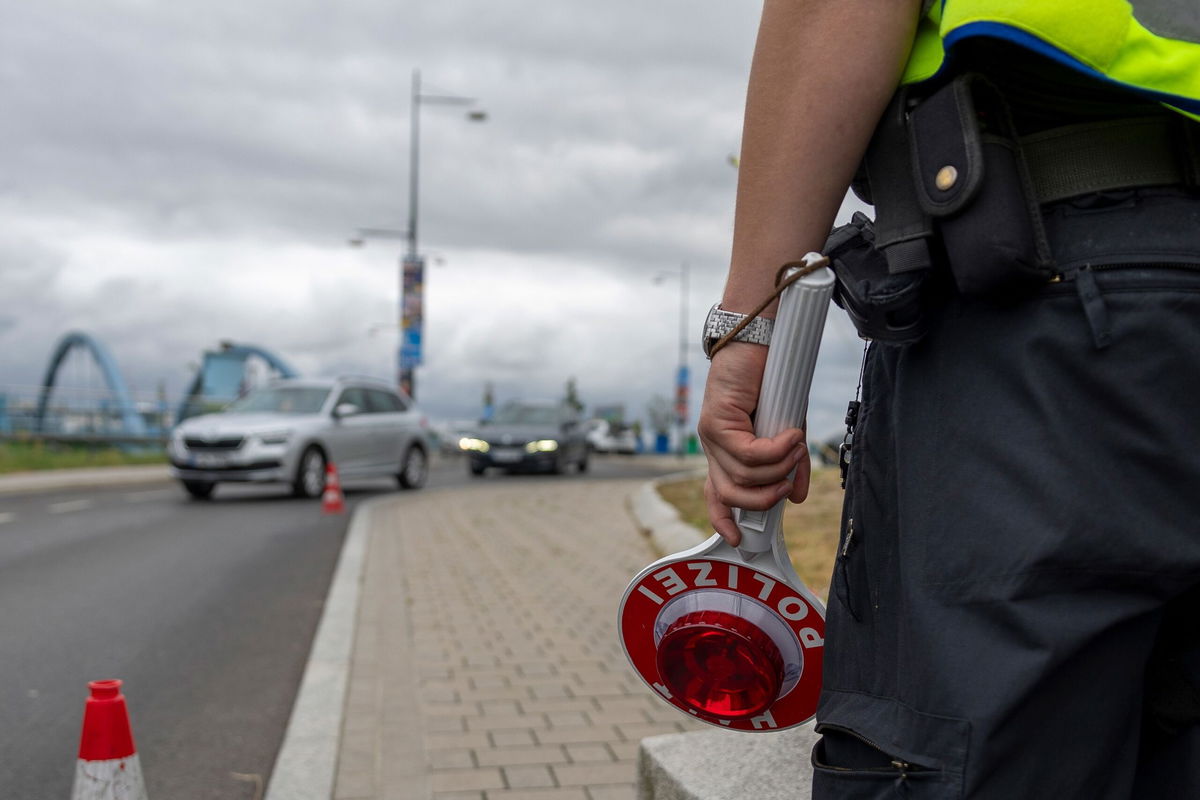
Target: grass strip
{"type": "Point", "coordinates": [16, 456]}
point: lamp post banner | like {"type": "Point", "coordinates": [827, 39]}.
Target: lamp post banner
{"type": "Point", "coordinates": [412, 297]}
{"type": "Point", "coordinates": [681, 395]}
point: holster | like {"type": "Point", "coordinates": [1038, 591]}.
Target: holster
{"type": "Point", "coordinates": [884, 307]}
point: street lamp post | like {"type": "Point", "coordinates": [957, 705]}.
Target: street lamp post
{"type": "Point", "coordinates": [681, 377]}
{"type": "Point", "coordinates": [412, 264]}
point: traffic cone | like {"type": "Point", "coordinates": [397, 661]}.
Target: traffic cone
{"type": "Point", "coordinates": [108, 767]}
{"type": "Point", "coordinates": [332, 500]}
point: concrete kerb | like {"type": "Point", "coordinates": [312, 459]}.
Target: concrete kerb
{"type": "Point", "coordinates": [307, 760]}
{"type": "Point", "coordinates": [726, 765]}
{"type": "Point", "coordinates": [712, 765]}
{"type": "Point", "coordinates": [659, 519]}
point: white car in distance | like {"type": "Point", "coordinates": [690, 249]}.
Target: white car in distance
{"type": "Point", "coordinates": [289, 430]}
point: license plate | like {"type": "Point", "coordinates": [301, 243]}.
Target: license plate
{"type": "Point", "coordinates": [506, 456]}
{"type": "Point", "coordinates": [211, 460]}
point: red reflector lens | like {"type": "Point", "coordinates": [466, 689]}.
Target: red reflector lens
{"type": "Point", "coordinates": [720, 664]}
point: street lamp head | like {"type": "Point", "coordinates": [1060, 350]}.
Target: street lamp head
{"type": "Point", "coordinates": [355, 242]}
{"type": "Point", "coordinates": [477, 116]}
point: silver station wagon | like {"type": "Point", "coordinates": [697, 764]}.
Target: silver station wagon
{"type": "Point", "coordinates": [288, 431]}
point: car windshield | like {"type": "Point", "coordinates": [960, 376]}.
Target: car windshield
{"type": "Point", "coordinates": [282, 400]}
{"type": "Point", "coordinates": [526, 415]}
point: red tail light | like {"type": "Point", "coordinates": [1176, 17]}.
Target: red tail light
{"type": "Point", "coordinates": [720, 664]}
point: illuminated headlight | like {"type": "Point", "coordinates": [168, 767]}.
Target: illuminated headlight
{"type": "Point", "coordinates": [274, 437]}
{"type": "Point", "coordinates": [542, 446]}
{"type": "Point", "coordinates": [478, 445]}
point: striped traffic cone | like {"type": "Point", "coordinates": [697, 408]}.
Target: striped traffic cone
{"type": "Point", "coordinates": [332, 499]}
{"type": "Point", "coordinates": [108, 767]}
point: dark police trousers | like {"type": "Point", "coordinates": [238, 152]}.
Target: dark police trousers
{"type": "Point", "coordinates": [1016, 587]}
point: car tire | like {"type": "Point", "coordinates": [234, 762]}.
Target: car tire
{"type": "Point", "coordinates": [414, 468]}
{"type": "Point", "coordinates": [310, 473]}
{"type": "Point", "coordinates": [200, 490]}
{"type": "Point", "coordinates": [582, 466]}
{"type": "Point", "coordinates": [476, 469]}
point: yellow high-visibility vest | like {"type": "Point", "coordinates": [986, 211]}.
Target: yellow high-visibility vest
{"type": "Point", "coordinates": [1150, 46]}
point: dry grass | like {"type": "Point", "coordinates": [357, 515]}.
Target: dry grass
{"type": "Point", "coordinates": [810, 529]}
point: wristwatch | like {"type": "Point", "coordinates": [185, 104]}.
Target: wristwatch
{"type": "Point", "coordinates": [720, 322]}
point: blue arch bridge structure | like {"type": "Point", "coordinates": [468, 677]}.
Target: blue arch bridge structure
{"type": "Point", "coordinates": [113, 414]}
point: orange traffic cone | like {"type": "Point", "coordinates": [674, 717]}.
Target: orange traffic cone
{"type": "Point", "coordinates": [108, 767]}
{"type": "Point", "coordinates": [332, 500]}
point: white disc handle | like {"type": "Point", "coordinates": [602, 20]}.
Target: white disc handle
{"type": "Point", "coordinates": [787, 378]}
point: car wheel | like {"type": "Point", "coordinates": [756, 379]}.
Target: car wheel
{"type": "Point", "coordinates": [310, 474]}
{"type": "Point", "coordinates": [583, 460]}
{"type": "Point", "coordinates": [414, 469]}
{"type": "Point", "coordinates": [200, 490]}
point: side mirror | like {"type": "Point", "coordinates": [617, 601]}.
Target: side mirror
{"type": "Point", "coordinates": [345, 410]}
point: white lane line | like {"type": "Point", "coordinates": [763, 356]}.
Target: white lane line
{"type": "Point", "coordinates": [69, 506]}
{"type": "Point", "coordinates": [147, 496]}
{"type": "Point", "coordinates": [7, 516]}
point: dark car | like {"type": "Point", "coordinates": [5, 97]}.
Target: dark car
{"type": "Point", "coordinates": [542, 437]}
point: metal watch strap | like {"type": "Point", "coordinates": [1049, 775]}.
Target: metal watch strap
{"type": "Point", "coordinates": [721, 322]}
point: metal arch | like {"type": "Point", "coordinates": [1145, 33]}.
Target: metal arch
{"type": "Point", "coordinates": [275, 362]}
{"type": "Point", "coordinates": [132, 421]}
{"type": "Point", "coordinates": [241, 351]}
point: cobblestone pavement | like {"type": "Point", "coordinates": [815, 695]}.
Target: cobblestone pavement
{"type": "Point", "coordinates": [486, 664]}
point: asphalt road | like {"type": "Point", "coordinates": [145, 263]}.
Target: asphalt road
{"type": "Point", "coordinates": [206, 610]}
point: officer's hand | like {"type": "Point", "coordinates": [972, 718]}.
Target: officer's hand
{"type": "Point", "coordinates": [744, 471]}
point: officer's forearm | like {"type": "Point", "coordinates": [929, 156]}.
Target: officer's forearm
{"type": "Point", "coordinates": [822, 73]}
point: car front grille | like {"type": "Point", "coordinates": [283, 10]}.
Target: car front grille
{"type": "Point", "coordinates": [213, 445]}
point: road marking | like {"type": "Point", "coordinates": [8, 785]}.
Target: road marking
{"type": "Point", "coordinates": [7, 516]}
{"type": "Point", "coordinates": [69, 506]}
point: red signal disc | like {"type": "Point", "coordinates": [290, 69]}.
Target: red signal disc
{"type": "Point", "coordinates": [790, 617]}
{"type": "Point", "coordinates": [720, 664]}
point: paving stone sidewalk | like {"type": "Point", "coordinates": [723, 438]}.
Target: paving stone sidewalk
{"type": "Point", "coordinates": [486, 664]}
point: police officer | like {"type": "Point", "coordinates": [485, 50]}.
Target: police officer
{"type": "Point", "coordinates": [1015, 610]}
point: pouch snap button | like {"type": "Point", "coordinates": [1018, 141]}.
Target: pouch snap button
{"type": "Point", "coordinates": [946, 178]}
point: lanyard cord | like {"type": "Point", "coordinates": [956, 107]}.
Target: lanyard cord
{"type": "Point", "coordinates": [844, 451]}
{"type": "Point", "coordinates": [781, 283]}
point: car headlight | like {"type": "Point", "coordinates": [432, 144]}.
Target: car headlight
{"type": "Point", "coordinates": [542, 446]}
{"type": "Point", "coordinates": [274, 437]}
{"type": "Point", "coordinates": [478, 445]}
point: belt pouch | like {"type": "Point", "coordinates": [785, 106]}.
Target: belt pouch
{"type": "Point", "coordinates": [975, 186]}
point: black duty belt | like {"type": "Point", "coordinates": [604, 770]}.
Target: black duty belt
{"type": "Point", "coordinates": [941, 180]}
{"type": "Point", "coordinates": [1114, 154]}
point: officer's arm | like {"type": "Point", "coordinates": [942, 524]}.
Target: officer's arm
{"type": "Point", "coordinates": [823, 70]}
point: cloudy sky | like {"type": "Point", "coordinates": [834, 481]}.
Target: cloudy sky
{"type": "Point", "coordinates": [175, 174]}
